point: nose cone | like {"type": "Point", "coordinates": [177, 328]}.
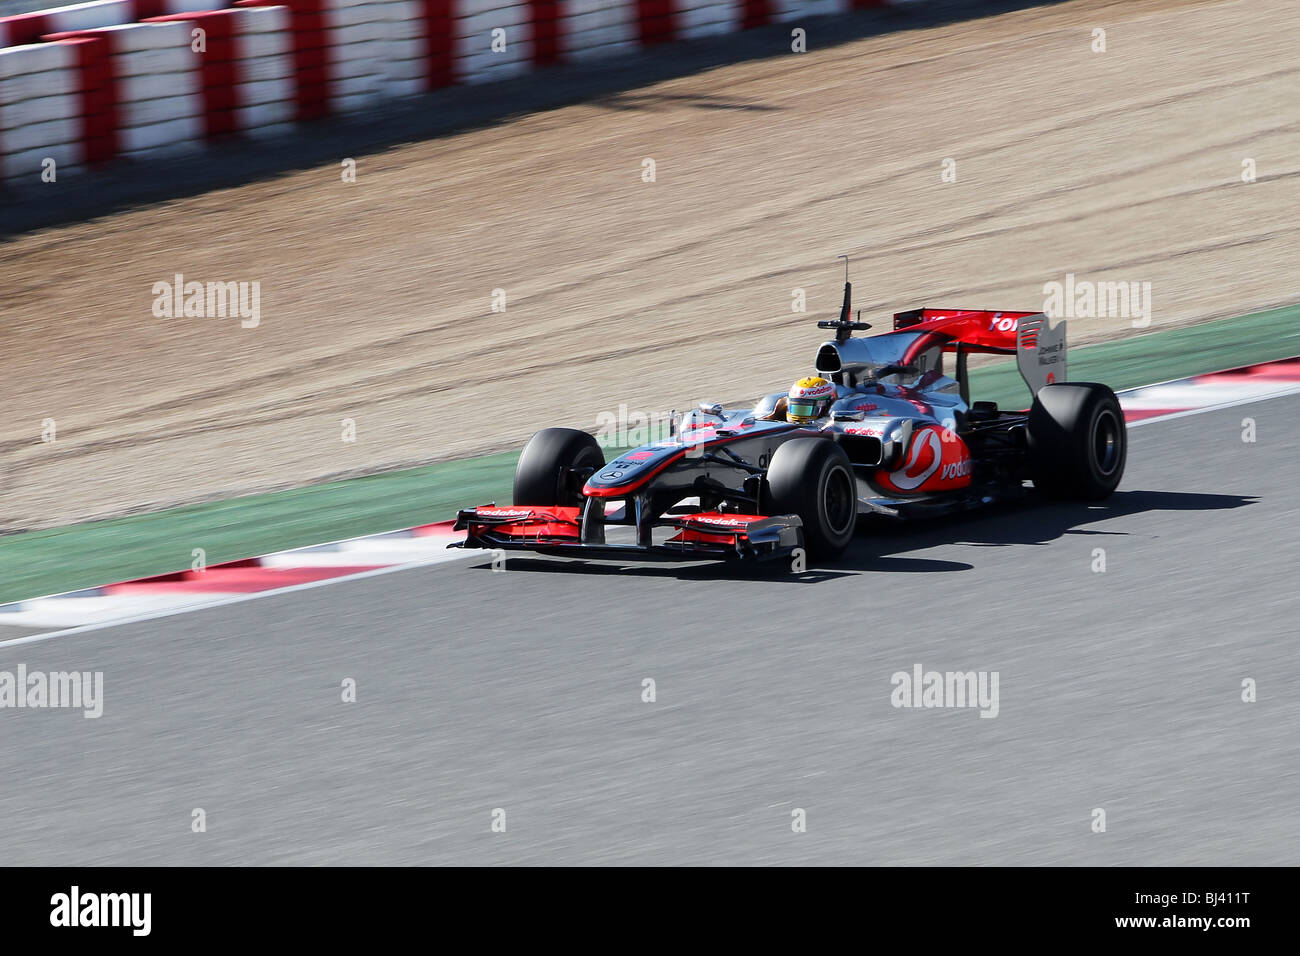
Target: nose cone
{"type": "Point", "coordinates": [630, 470]}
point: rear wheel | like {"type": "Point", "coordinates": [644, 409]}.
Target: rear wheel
{"type": "Point", "coordinates": [544, 475]}
{"type": "Point", "coordinates": [1078, 443]}
{"type": "Point", "coordinates": [812, 478]}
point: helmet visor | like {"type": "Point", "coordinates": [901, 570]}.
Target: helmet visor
{"type": "Point", "coordinates": [805, 407]}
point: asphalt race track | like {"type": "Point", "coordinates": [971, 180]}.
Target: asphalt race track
{"type": "Point", "coordinates": [522, 690]}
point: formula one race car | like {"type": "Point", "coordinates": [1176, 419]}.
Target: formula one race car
{"type": "Point", "coordinates": [879, 430]}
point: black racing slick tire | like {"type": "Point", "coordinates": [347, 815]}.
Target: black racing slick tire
{"type": "Point", "coordinates": [1078, 442]}
{"type": "Point", "coordinates": [813, 478]}
{"type": "Point", "coordinates": [544, 475]}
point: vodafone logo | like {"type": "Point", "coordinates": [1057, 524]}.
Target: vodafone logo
{"type": "Point", "coordinates": [501, 513]}
{"type": "Point", "coordinates": [958, 469]}
{"type": "Point", "coordinates": [922, 462]}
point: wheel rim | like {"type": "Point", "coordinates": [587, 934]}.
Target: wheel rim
{"type": "Point", "coordinates": [568, 491]}
{"type": "Point", "coordinates": [1106, 443]}
{"type": "Point", "coordinates": [839, 501]}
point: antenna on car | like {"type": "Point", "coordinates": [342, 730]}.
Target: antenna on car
{"type": "Point", "coordinates": [844, 326]}
{"type": "Point", "coordinates": [846, 310]}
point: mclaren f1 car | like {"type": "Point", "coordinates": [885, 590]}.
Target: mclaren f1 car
{"type": "Point", "coordinates": [880, 429]}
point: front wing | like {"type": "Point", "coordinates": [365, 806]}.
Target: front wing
{"type": "Point", "coordinates": [704, 535]}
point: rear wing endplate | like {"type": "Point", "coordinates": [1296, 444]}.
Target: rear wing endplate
{"type": "Point", "coordinates": [1040, 351]}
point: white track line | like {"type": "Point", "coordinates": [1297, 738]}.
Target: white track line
{"type": "Point", "coordinates": [1250, 400]}
{"type": "Point", "coordinates": [233, 599]}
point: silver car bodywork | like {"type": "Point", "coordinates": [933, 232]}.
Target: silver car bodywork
{"type": "Point", "coordinates": [916, 443]}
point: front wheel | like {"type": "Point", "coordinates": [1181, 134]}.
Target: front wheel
{"type": "Point", "coordinates": [813, 478]}
{"type": "Point", "coordinates": [1078, 442]}
{"type": "Point", "coordinates": [545, 475]}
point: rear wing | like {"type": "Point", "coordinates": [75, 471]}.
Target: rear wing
{"type": "Point", "coordinates": [1040, 351]}
{"type": "Point", "coordinates": [1039, 346]}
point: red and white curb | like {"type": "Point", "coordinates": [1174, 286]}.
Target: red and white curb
{"type": "Point", "coordinates": [220, 583]}
{"type": "Point", "coordinates": [1187, 396]}
{"type": "Point", "coordinates": [427, 544]}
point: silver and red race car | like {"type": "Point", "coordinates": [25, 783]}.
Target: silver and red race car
{"type": "Point", "coordinates": [894, 437]}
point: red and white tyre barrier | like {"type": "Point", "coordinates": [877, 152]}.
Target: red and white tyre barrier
{"type": "Point", "coordinates": [87, 84]}
{"type": "Point", "coordinates": [25, 28]}
{"type": "Point", "coordinates": [91, 96]}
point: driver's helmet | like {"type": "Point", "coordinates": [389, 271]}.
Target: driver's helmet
{"type": "Point", "coordinates": [809, 399]}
